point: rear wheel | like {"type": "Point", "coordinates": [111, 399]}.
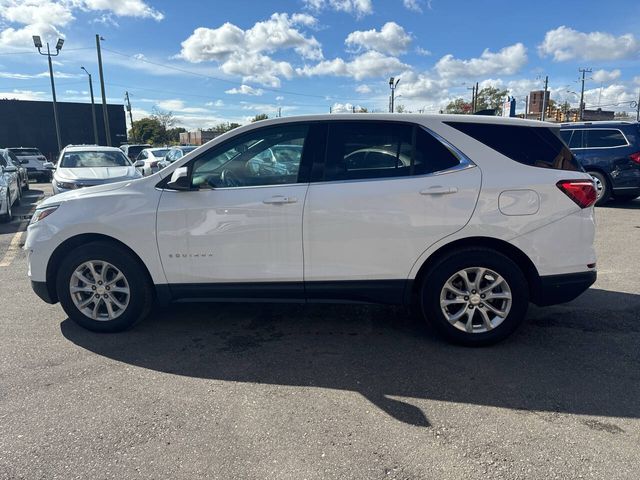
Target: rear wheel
{"type": "Point", "coordinates": [103, 288]}
{"type": "Point", "coordinates": [603, 188]}
{"type": "Point", "coordinates": [475, 296]}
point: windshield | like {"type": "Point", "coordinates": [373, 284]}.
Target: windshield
{"type": "Point", "coordinates": [27, 152]}
{"type": "Point", "coordinates": [134, 150]}
{"type": "Point", "coordinates": [159, 153]}
{"type": "Point", "coordinates": [94, 159]}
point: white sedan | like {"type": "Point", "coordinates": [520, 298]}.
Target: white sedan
{"type": "Point", "coordinates": [10, 191]}
{"type": "Point", "coordinates": [151, 157]}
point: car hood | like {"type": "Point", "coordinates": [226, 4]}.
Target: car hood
{"type": "Point", "coordinates": [98, 190]}
{"type": "Point", "coordinates": [100, 174]}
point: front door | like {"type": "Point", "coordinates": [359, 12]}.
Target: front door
{"type": "Point", "coordinates": [242, 221]}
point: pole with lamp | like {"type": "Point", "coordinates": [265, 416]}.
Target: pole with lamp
{"type": "Point", "coordinates": [37, 42]}
{"type": "Point", "coordinates": [393, 83]}
{"type": "Point", "coordinates": [93, 108]}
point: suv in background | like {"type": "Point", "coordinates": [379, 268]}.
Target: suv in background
{"type": "Point", "coordinates": [468, 238]}
{"type": "Point", "coordinates": [132, 151]}
{"type": "Point", "coordinates": [34, 160]}
{"type": "Point", "coordinates": [610, 152]}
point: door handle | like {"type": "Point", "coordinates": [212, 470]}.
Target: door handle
{"type": "Point", "coordinates": [438, 190]}
{"type": "Point", "coordinates": [279, 200]}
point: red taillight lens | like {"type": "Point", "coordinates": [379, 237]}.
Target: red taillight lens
{"type": "Point", "coordinates": [583, 192]}
{"type": "Point", "coordinates": [635, 157]}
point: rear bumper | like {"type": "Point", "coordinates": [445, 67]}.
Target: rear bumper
{"type": "Point", "coordinates": [554, 289]}
{"type": "Point", "coordinates": [41, 289]}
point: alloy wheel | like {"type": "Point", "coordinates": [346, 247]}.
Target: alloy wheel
{"type": "Point", "coordinates": [99, 290]}
{"type": "Point", "coordinates": [475, 300]}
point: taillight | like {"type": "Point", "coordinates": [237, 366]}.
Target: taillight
{"type": "Point", "coordinates": [583, 192]}
{"type": "Point", "coordinates": [635, 157]}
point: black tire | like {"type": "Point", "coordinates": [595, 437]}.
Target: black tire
{"type": "Point", "coordinates": [440, 273]}
{"type": "Point", "coordinates": [605, 193]}
{"type": "Point", "coordinates": [19, 199]}
{"type": "Point", "coordinates": [7, 217]}
{"type": "Point", "coordinates": [141, 294]}
{"type": "Point", "coordinates": [26, 185]}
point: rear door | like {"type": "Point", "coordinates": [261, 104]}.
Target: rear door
{"type": "Point", "coordinates": [387, 192]}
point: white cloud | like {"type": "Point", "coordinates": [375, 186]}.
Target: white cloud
{"type": "Point", "coordinates": [422, 86]}
{"type": "Point", "coordinates": [391, 39]}
{"type": "Point", "coordinates": [23, 95]}
{"type": "Point", "coordinates": [613, 97]}
{"type": "Point", "coordinates": [245, 90]}
{"type": "Point", "coordinates": [217, 103]}
{"type": "Point", "coordinates": [415, 5]}
{"type": "Point", "coordinates": [605, 76]}
{"type": "Point", "coordinates": [565, 43]}
{"type": "Point", "coordinates": [21, 37]}
{"type": "Point", "coordinates": [364, 89]}
{"type": "Point", "coordinates": [423, 52]}
{"type": "Point", "coordinates": [508, 61]}
{"type": "Point", "coordinates": [171, 104]}
{"type": "Point", "coordinates": [244, 52]}
{"type": "Point", "coordinates": [125, 8]}
{"type": "Point", "coordinates": [355, 7]}
{"type": "Point", "coordinates": [29, 76]}
{"type": "Point", "coordinates": [345, 108]}
{"type": "Point", "coordinates": [369, 64]}
{"type": "Point", "coordinates": [636, 80]}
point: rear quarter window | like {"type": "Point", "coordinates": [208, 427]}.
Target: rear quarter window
{"type": "Point", "coordinates": [534, 146]}
{"type": "Point", "coordinates": [604, 138]}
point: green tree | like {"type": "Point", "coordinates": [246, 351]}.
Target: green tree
{"type": "Point", "coordinates": [459, 105]}
{"type": "Point", "coordinates": [260, 116]}
{"type": "Point", "coordinates": [224, 127]}
{"type": "Point", "coordinates": [147, 130]}
{"type": "Point", "coordinates": [401, 109]}
{"type": "Point", "coordinates": [491, 98]}
{"type": "Point", "coordinates": [165, 118]}
{"type": "Point", "coordinates": [173, 134]}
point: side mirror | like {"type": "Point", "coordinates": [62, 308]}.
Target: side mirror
{"type": "Point", "coordinates": [11, 169]}
{"type": "Point", "coordinates": [139, 164]}
{"type": "Point", "coordinates": [180, 179]}
{"type": "Point", "coordinates": [49, 166]}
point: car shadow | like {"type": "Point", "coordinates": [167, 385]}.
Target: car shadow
{"type": "Point", "coordinates": [629, 205]}
{"type": "Point", "coordinates": [577, 358]}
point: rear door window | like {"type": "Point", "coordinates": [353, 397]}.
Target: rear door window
{"type": "Point", "coordinates": [534, 146]}
{"type": "Point", "coordinates": [576, 139]}
{"type": "Point", "coordinates": [604, 138]}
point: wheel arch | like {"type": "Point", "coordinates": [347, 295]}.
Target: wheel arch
{"type": "Point", "coordinates": [512, 252]}
{"type": "Point", "coordinates": [73, 242]}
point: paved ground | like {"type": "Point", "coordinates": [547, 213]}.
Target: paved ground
{"type": "Point", "coordinates": [255, 391]}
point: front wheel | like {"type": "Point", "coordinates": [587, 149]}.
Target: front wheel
{"type": "Point", "coordinates": [103, 288]}
{"type": "Point", "coordinates": [6, 217]}
{"type": "Point", "coordinates": [475, 297]}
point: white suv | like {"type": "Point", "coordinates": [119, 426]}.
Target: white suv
{"type": "Point", "coordinates": [469, 218]}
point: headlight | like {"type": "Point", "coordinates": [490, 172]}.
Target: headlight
{"type": "Point", "coordinates": [66, 185]}
{"type": "Point", "coordinates": [41, 213]}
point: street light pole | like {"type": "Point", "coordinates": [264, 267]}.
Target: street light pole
{"type": "Point", "coordinates": [105, 113]}
{"type": "Point", "coordinates": [393, 83]}
{"type": "Point", "coordinates": [37, 42]}
{"type": "Point", "coordinates": [583, 71]}
{"type": "Point", "coordinates": [93, 109]}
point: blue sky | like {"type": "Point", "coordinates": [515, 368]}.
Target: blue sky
{"type": "Point", "coordinates": [227, 60]}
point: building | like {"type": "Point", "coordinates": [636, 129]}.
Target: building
{"type": "Point", "coordinates": [536, 101]}
{"type": "Point", "coordinates": [197, 137]}
{"type": "Point", "coordinates": [598, 115]}
{"type": "Point", "coordinates": [25, 123]}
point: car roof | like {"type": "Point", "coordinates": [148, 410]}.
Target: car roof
{"type": "Point", "coordinates": [601, 123]}
{"type": "Point", "coordinates": [90, 148]}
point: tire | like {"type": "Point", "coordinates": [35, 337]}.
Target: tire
{"type": "Point", "coordinates": [603, 187]}
{"type": "Point", "coordinates": [26, 185]}
{"type": "Point", "coordinates": [133, 307]}
{"type": "Point", "coordinates": [7, 217]}
{"type": "Point", "coordinates": [19, 198]}
{"type": "Point", "coordinates": [447, 270]}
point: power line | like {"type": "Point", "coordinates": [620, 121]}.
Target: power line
{"type": "Point", "coordinates": [26, 52]}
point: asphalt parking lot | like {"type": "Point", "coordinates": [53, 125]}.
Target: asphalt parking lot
{"type": "Point", "coordinates": [291, 391]}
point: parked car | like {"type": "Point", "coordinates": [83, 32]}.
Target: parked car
{"type": "Point", "coordinates": [151, 157]}
{"type": "Point", "coordinates": [23, 174]}
{"type": "Point", "coordinates": [34, 160]}
{"type": "Point", "coordinates": [90, 165]}
{"type": "Point", "coordinates": [10, 191]}
{"type": "Point", "coordinates": [175, 153]}
{"type": "Point", "coordinates": [610, 153]}
{"type": "Point", "coordinates": [132, 151]}
{"type": "Point", "coordinates": [489, 214]}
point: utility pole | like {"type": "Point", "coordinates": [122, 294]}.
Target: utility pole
{"type": "Point", "coordinates": [475, 101]}
{"type": "Point", "coordinates": [128, 107]}
{"type": "Point", "coordinates": [526, 106]}
{"type": "Point", "coordinates": [393, 83]}
{"type": "Point", "coordinates": [544, 98]}
{"type": "Point", "coordinates": [473, 96]}
{"type": "Point", "coordinates": [279, 112]}
{"type": "Point", "coordinates": [93, 109]}
{"type": "Point", "coordinates": [583, 71]}
{"type": "Point", "coordinates": [105, 113]}
{"type": "Point", "coordinates": [37, 42]}
{"type": "Point", "coordinates": [638, 109]}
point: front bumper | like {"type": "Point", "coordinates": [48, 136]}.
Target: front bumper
{"type": "Point", "coordinates": [554, 289]}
